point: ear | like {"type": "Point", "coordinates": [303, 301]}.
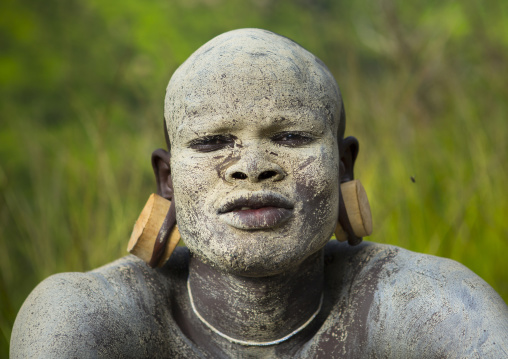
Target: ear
{"type": "Point", "coordinates": [162, 172]}
{"type": "Point", "coordinates": [348, 150]}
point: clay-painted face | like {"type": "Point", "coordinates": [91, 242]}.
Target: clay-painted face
{"type": "Point", "coordinates": [254, 163]}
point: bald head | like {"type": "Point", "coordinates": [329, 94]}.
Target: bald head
{"type": "Point", "coordinates": [246, 69]}
{"type": "Point", "coordinates": [252, 113]}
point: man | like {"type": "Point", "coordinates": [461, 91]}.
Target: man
{"type": "Point", "coordinates": [256, 152]}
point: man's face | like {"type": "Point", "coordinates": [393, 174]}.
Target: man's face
{"type": "Point", "coordinates": [255, 177]}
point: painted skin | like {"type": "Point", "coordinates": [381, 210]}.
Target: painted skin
{"type": "Point", "coordinates": [256, 149]}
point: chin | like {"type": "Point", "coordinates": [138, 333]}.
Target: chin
{"type": "Point", "coordinates": [251, 257]}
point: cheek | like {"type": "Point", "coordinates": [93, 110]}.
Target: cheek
{"type": "Point", "coordinates": [317, 171]}
{"type": "Point", "coordinates": [317, 184]}
{"type": "Point", "coordinates": [188, 183]}
{"type": "Point", "coordinates": [197, 182]}
{"type": "Point", "coordinates": [192, 182]}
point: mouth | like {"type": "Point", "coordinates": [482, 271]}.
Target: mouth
{"type": "Point", "coordinates": [258, 210]}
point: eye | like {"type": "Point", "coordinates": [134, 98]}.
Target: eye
{"type": "Point", "coordinates": [212, 143]}
{"type": "Point", "coordinates": [292, 139]}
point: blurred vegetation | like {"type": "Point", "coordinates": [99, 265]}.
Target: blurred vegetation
{"type": "Point", "coordinates": [81, 95]}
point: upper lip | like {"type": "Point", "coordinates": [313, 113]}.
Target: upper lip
{"type": "Point", "coordinates": [254, 200]}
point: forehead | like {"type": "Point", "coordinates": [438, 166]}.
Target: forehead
{"type": "Point", "coordinates": [251, 72]}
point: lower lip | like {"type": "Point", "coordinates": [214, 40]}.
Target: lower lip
{"type": "Point", "coordinates": [260, 218]}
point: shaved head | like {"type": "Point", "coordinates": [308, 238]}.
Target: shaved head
{"type": "Point", "coordinates": [254, 118]}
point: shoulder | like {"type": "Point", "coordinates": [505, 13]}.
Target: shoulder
{"type": "Point", "coordinates": [393, 268]}
{"type": "Point", "coordinates": [412, 303]}
{"type": "Point", "coordinates": [102, 312]}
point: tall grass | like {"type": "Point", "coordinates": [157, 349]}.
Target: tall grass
{"type": "Point", "coordinates": [81, 91]}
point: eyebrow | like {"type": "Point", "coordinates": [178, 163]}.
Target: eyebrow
{"type": "Point", "coordinates": [202, 128]}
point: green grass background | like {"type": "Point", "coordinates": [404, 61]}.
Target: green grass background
{"type": "Point", "coordinates": [81, 95]}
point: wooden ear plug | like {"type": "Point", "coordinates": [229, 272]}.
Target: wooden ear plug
{"type": "Point", "coordinates": [358, 210]}
{"type": "Point", "coordinates": [146, 232]}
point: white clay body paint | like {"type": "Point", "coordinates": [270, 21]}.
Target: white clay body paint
{"type": "Point", "coordinates": [254, 153]}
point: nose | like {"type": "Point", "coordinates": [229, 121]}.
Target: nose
{"type": "Point", "coordinates": [254, 169]}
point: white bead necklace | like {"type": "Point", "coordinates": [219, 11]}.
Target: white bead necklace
{"type": "Point", "coordinates": [247, 342]}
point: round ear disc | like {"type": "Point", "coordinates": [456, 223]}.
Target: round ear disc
{"type": "Point", "coordinates": [358, 210]}
{"type": "Point", "coordinates": [147, 228]}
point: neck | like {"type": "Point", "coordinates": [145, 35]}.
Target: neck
{"type": "Point", "coordinates": [257, 309]}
